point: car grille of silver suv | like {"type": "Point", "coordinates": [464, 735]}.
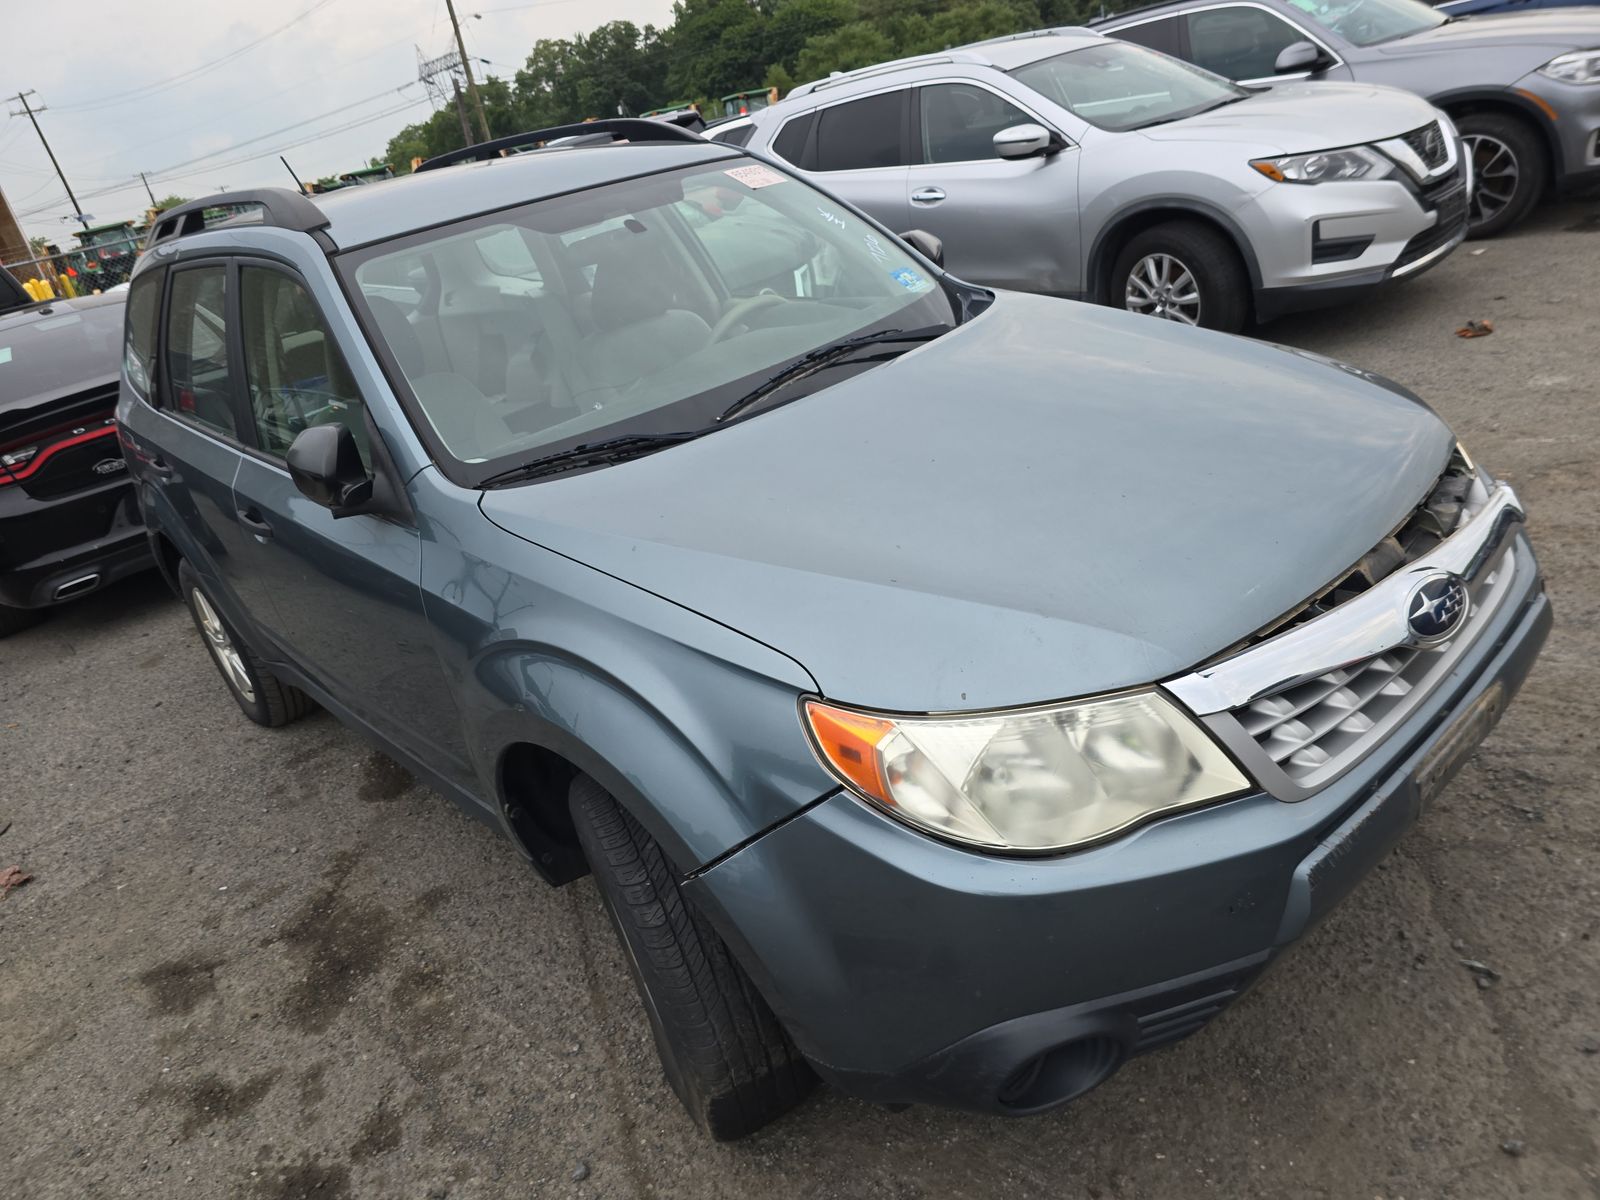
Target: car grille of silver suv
{"type": "Point", "coordinates": [1430, 145]}
{"type": "Point", "coordinates": [1327, 684]}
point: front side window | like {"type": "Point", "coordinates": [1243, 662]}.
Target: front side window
{"type": "Point", "coordinates": [862, 134]}
{"type": "Point", "coordinates": [295, 376]}
{"type": "Point", "coordinates": [139, 336]}
{"type": "Point", "coordinates": [665, 299]}
{"type": "Point", "coordinates": [1118, 86]}
{"type": "Point", "coordinates": [1368, 22]}
{"type": "Point", "coordinates": [1159, 35]}
{"type": "Point", "coordinates": [199, 385]}
{"type": "Point", "coordinates": [1241, 42]}
{"type": "Point", "coordinates": [959, 121]}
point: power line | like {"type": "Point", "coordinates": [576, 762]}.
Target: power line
{"type": "Point", "coordinates": [144, 91]}
{"type": "Point", "coordinates": [22, 99]}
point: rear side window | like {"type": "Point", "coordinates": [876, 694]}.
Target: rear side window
{"type": "Point", "coordinates": [790, 144]}
{"type": "Point", "coordinates": [295, 375]}
{"type": "Point", "coordinates": [199, 385]}
{"type": "Point", "coordinates": [863, 134]}
{"type": "Point", "coordinates": [1159, 35]}
{"type": "Point", "coordinates": [738, 136]}
{"type": "Point", "coordinates": [139, 337]}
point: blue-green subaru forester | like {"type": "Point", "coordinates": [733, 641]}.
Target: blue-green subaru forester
{"type": "Point", "coordinates": [954, 693]}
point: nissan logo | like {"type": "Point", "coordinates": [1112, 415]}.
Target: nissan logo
{"type": "Point", "coordinates": [109, 466]}
{"type": "Point", "coordinates": [1437, 607]}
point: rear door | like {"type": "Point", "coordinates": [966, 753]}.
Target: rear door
{"type": "Point", "coordinates": [343, 593]}
{"type": "Point", "coordinates": [858, 148]}
{"type": "Point", "coordinates": [1005, 222]}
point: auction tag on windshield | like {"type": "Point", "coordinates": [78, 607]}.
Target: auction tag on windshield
{"type": "Point", "coordinates": [756, 177]}
{"type": "Point", "coordinates": [5, 354]}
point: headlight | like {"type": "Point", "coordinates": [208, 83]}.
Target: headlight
{"type": "Point", "coordinates": [1324, 166]}
{"type": "Point", "coordinates": [1028, 780]}
{"type": "Point", "coordinates": [1581, 66]}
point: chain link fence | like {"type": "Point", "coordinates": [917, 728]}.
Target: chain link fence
{"type": "Point", "coordinates": [100, 263]}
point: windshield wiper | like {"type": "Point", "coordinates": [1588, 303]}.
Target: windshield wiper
{"type": "Point", "coordinates": [589, 454]}
{"type": "Point", "coordinates": [823, 356]}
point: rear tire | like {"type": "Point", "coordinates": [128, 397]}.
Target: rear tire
{"type": "Point", "coordinates": [15, 620]}
{"type": "Point", "coordinates": [260, 694]}
{"type": "Point", "coordinates": [723, 1050]}
{"type": "Point", "coordinates": [1183, 271]}
{"type": "Point", "coordinates": [1509, 164]}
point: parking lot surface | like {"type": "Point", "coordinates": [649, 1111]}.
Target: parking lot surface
{"type": "Point", "coordinates": [268, 964]}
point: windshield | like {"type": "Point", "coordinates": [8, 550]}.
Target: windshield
{"type": "Point", "coordinates": [641, 307]}
{"type": "Point", "coordinates": [1368, 22]}
{"type": "Point", "coordinates": [1118, 86]}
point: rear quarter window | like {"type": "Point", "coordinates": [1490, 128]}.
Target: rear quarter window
{"type": "Point", "coordinates": [139, 337]}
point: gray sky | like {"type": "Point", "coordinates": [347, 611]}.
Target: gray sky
{"type": "Point", "coordinates": [107, 75]}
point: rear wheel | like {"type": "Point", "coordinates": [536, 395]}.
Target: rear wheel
{"type": "Point", "coordinates": [1509, 165]}
{"type": "Point", "coordinates": [723, 1050]}
{"type": "Point", "coordinates": [261, 695]}
{"type": "Point", "coordinates": [1183, 271]}
{"type": "Point", "coordinates": [15, 620]}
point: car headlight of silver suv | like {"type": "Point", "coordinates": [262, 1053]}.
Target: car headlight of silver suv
{"type": "Point", "coordinates": [1580, 66]}
{"type": "Point", "coordinates": [1029, 780]}
{"type": "Point", "coordinates": [1325, 166]}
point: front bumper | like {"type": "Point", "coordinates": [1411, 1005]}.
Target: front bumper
{"type": "Point", "coordinates": [1576, 129]}
{"type": "Point", "coordinates": [909, 970]}
{"type": "Point", "coordinates": [55, 550]}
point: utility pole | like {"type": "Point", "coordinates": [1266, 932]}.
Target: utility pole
{"type": "Point", "coordinates": [22, 99]}
{"type": "Point", "coordinates": [147, 190]}
{"type": "Point", "coordinates": [466, 65]}
{"type": "Point", "coordinates": [461, 111]}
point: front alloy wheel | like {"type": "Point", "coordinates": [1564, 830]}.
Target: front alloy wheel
{"type": "Point", "coordinates": [1161, 286]}
{"type": "Point", "coordinates": [1510, 164]}
{"type": "Point", "coordinates": [1187, 271]}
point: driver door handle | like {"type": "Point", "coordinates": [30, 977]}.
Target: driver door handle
{"type": "Point", "coordinates": [927, 195]}
{"type": "Point", "coordinates": [252, 520]}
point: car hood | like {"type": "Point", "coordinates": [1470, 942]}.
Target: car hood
{"type": "Point", "coordinates": [51, 351]}
{"type": "Point", "coordinates": [1556, 28]}
{"type": "Point", "coordinates": [1053, 500]}
{"type": "Point", "coordinates": [1297, 117]}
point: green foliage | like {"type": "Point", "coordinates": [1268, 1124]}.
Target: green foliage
{"type": "Point", "coordinates": [171, 202]}
{"type": "Point", "coordinates": [717, 47]}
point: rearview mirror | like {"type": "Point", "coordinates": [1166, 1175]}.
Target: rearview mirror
{"type": "Point", "coordinates": [1022, 141]}
{"type": "Point", "coordinates": [326, 466]}
{"type": "Point", "coordinates": [1297, 56]}
{"type": "Point", "coordinates": [925, 244]}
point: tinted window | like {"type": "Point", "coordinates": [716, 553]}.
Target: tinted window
{"type": "Point", "coordinates": [1159, 35]}
{"type": "Point", "coordinates": [862, 134]}
{"type": "Point", "coordinates": [197, 348]}
{"type": "Point", "coordinates": [295, 375]}
{"type": "Point", "coordinates": [1241, 43]}
{"type": "Point", "coordinates": [790, 144]}
{"type": "Point", "coordinates": [1119, 86]}
{"type": "Point", "coordinates": [959, 121]}
{"type": "Point", "coordinates": [139, 345]}
{"type": "Point", "coordinates": [739, 135]}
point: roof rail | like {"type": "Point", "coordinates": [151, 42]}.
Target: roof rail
{"type": "Point", "coordinates": [1105, 16]}
{"type": "Point", "coordinates": [279, 207]}
{"type": "Point", "coordinates": [888, 68]}
{"type": "Point", "coordinates": [1057, 31]}
{"type": "Point", "coordinates": [632, 129]}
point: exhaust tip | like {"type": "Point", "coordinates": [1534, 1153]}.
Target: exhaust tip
{"type": "Point", "coordinates": [1062, 1073]}
{"type": "Point", "coordinates": [76, 587]}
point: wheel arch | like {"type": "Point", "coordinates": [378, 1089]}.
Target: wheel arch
{"type": "Point", "coordinates": [1462, 102]}
{"type": "Point", "coordinates": [1145, 214]}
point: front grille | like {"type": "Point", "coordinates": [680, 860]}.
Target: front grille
{"type": "Point", "coordinates": [1429, 144]}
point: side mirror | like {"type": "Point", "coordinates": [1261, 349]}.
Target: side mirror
{"type": "Point", "coordinates": [1023, 141]}
{"type": "Point", "coordinates": [326, 466]}
{"type": "Point", "coordinates": [925, 244]}
{"type": "Point", "coordinates": [1297, 56]}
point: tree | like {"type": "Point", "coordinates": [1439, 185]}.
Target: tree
{"type": "Point", "coordinates": [171, 202]}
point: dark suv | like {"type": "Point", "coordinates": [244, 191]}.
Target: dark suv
{"type": "Point", "coordinates": [69, 521]}
{"type": "Point", "coordinates": [953, 692]}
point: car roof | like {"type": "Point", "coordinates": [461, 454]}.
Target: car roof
{"type": "Point", "coordinates": [1003, 54]}
{"type": "Point", "coordinates": [1144, 11]}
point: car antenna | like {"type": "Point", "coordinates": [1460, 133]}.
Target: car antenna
{"type": "Point", "coordinates": [299, 187]}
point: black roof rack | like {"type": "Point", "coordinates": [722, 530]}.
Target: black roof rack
{"type": "Point", "coordinates": [632, 129]}
{"type": "Point", "coordinates": [1105, 16]}
{"type": "Point", "coordinates": [279, 207]}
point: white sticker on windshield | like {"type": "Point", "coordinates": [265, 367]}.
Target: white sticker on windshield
{"type": "Point", "coordinates": [756, 177]}
{"type": "Point", "coordinates": [5, 354]}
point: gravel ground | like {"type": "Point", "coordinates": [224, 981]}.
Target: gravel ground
{"type": "Point", "coordinates": [268, 964]}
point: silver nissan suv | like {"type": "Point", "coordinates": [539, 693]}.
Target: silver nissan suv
{"type": "Point", "coordinates": [1075, 165]}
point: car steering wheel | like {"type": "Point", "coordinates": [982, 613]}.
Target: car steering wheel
{"type": "Point", "coordinates": [741, 309]}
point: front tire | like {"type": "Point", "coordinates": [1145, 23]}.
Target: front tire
{"type": "Point", "coordinates": [1183, 271]}
{"type": "Point", "coordinates": [723, 1050]}
{"type": "Point", "coordinates": [260, 694]}
{"type": "Point", "coordinates": [1509, 167]}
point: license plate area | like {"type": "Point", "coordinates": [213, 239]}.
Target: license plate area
{"type": "Point", "coordinates": [1453, 749]}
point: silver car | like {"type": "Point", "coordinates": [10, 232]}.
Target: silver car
{"type": "Point", "coordinates": [1523, 87]}
{"type": "Point", "coordinates": [1076, 165]}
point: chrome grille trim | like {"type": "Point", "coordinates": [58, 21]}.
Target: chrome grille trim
{"type": "Point", "coordinates": [1358, 630]}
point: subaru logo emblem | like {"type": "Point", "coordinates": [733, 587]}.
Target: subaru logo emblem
{"type": "Point", "coordinates": [109, 466]}
{"type": "Point", "coordinates": [1437, 607]}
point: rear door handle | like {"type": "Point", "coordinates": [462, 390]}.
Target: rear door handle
{"type": "Point", "coordinates": [927, 195]}
{"type": "Point", "coordinates": [252, 520]}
